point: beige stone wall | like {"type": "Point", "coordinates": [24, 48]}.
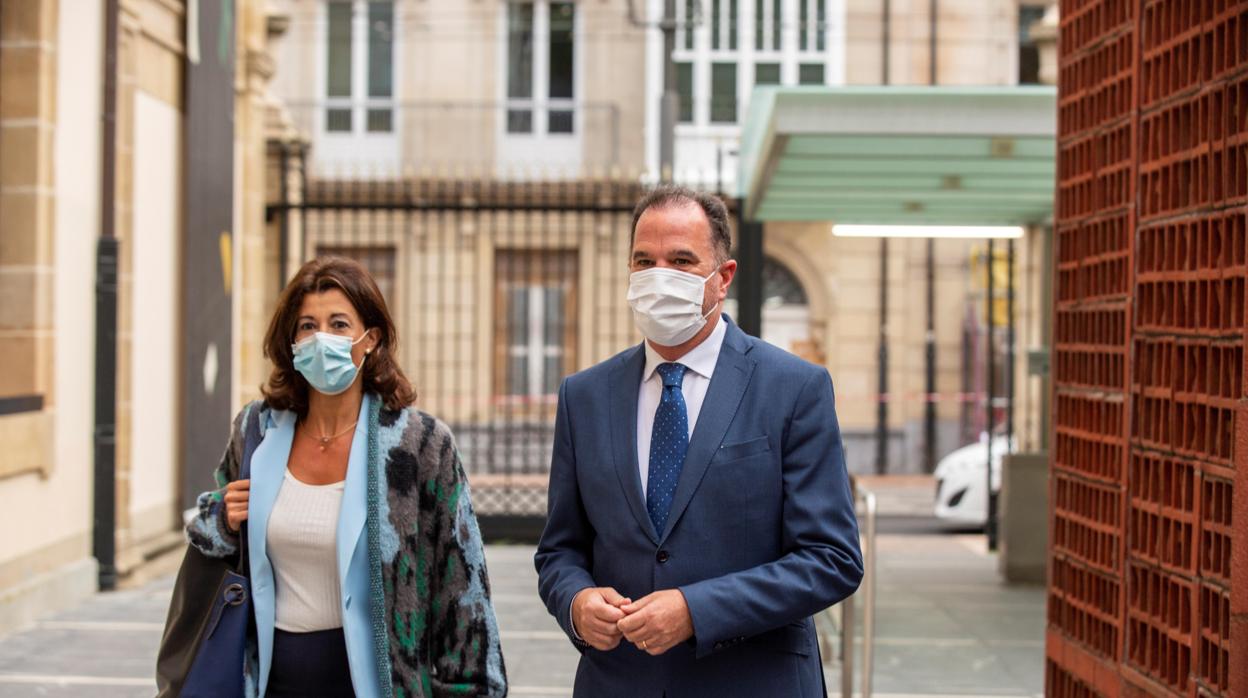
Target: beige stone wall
{"type": "Point", "coordinates": [254, 283]}
{"type": "Point", "coordinates": [449, 53]}
{"type": "Point", "coordinates": [1033, 315]}
{"type": "Point", "coordinates": [151, 49]}
{"type": "Point", "coordinates": [295, 60]}
{"type": "Point", "coordinates": [450, 83]}
{"type": "Point", "coordinates": [50, 177]}
{"type": "Point", "coordinates": [151, 82]}
{"type": "Point", "coordinates": [62, 504]}
{"type": "Point", "coordinates": [614, 61]}
{"type": "Point", "coordinates": [49, 217]}
{"type": "Point", "coordinates": [976, 42]}
{"type": "Point", "coordinates": [28, 64]}
{"type": "Point", "coordinates": [155, 325]}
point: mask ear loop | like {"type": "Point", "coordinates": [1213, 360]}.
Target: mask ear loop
{"type": "Point", "coordinates": [717, 303]}
{"type": "Point", "coordinates": [361, 339]}
{"type": "Point", "coordinates": [359, 370]}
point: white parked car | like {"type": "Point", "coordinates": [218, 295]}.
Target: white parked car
{"type": "Point", "coordinates": [961, 481]}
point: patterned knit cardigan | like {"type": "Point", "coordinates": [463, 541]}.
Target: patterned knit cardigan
{"type": "Point", "coordinates": [434, 629]}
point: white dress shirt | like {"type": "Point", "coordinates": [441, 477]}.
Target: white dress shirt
{"type": "Point", "coordinates": [700, 362]}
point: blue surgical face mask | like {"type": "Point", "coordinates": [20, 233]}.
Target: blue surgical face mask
{"type": "Point", "coordinates": [325, 361]}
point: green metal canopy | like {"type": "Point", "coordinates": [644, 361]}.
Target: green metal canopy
{"type": "Point", "coordinates": [900, 155]}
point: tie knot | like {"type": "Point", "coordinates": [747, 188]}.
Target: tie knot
{"type": "Point", "coordinates": [673, 375]}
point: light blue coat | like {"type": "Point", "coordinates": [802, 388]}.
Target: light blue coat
{"type": "Point", "coordinates": [268, 470]}
{"type": "Point", "coordinates": [416, 607]}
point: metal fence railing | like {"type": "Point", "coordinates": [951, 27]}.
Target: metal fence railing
{"type": "Point", "coordinates": [842, 615]}
{"type": "Point", "coordinates": [499, 289]}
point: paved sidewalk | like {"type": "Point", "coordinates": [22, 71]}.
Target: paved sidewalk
{"type": "Point", "coordinates": [946, 626]}
{"type": "Point", "coordinates": [106, 648]}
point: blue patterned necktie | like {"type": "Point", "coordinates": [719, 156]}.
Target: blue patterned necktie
{"type": "Point", "coordinates": [668, 442]}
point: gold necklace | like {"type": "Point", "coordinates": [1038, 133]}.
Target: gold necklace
{"type": "Point", "coordinates": [326, 440]}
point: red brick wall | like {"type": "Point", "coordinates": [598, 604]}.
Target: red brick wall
{"type": "Point", "coordinates": [1148, 582]}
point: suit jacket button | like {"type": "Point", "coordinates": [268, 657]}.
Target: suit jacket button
{"type": "Point", "coordinates": [662, 556]}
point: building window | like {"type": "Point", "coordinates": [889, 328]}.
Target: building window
{"type": "Point", "coordinates": [810, 74]}
{"type": "Point", "coordinates": [541, 67]}
{"type": "Point", "coordinates": [380, 64]}
{"type": "Point", "coordinates": [689, 20]}
{"type": "Point", "coordinates": [724, 25]}
{"type": "Point", "coordinates": [767, 74]}
{"type": "Point", "coordinates": [359, 66]}
{"type": "Point", "coordinates": [803, 26]}
{"type": "Point", "coordinates": [684, 86]}
{"type": "Point", "coordinates": [812, 24]}
{"type": "Point", "coordinates": [724, 93]}
{"type": "Point", "coordinates": [1028, 52]}
{"type": "Point", "coordinates": [767, 24]}
{"type": "Point", "coordinates": [821, 23]}
{"type": "Point", "coordinates": [716, 28]}
{"type": "Point", "coordinates": [519, 67]}
{"type": "Point", "coordinates": [535, 335]}
{"type": "Point", "coordinates": [777, 42]}
{"type": "Point", "coordinates": [776, 13]}
{"type": "Point", "coordinates": [338, 68]}
{"type": "Point", "coordinates": [562, 76]}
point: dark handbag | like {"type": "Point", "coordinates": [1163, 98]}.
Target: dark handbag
{"type": "Point", "coordinates": [204, 646]}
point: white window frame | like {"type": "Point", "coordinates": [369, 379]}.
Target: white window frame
{"type": "Point", "coordinates": [537, 347]}
{"type": "Point", "coordinates": [701, 143]}
{"type": "Point", "coordinates": [358, 146]}
{"type": "Point", "coordinates": [539, 147]}
{"type": "Point", "coordinates": [789, 54]}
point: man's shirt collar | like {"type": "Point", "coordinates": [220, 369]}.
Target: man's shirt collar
{"type": "Point", "coordinates": [701, 359]}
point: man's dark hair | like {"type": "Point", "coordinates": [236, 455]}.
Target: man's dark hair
{"type": "Point", "coordinates": [716, 214]}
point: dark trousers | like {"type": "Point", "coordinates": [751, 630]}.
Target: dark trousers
{"type": "Point", "coordinates": [310, 664]}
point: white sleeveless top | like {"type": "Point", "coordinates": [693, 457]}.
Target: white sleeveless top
{"type": "Point", "coordinates": [301, 539]}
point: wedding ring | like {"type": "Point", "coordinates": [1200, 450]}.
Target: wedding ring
{"type": "Point", "coordinates": [643, 644]}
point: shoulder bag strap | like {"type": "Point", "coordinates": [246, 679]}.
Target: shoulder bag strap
{"type": "Point", "coordinates": [251, 439]}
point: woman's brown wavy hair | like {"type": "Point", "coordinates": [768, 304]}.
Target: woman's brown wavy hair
{"type": "Point", "coordinates": [286, 388]}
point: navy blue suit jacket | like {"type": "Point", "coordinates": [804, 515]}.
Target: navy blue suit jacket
{"type": "Point", "coordinates": [761, 535]}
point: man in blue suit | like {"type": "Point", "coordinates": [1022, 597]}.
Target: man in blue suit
{"type": "Point", "coordinates": [699, 510]}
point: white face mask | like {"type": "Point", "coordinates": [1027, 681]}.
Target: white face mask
{"type": "Point", "coordinates": [667, 304]}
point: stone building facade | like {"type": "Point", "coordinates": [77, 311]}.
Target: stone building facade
{"type": "Point", "coordinates": [52, 150]}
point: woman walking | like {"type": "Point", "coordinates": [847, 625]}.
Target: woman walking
{"type": "Point", "coordinates": [367, 569]}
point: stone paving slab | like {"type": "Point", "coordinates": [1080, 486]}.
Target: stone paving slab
{"type": "Point", "coordinates": [946, 625]}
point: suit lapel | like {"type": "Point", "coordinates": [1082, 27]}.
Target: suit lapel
{"type": "Point", "coordinates": [625, 381]}
{"type": "Point", "coordinates": [723, 396]}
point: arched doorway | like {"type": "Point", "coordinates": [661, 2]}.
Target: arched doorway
{"type": "Point", "coordinates": [786, 310]}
